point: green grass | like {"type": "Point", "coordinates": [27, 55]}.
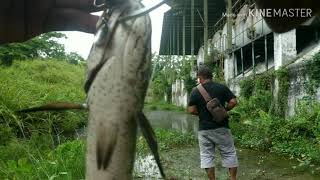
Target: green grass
{"type": "Point", "coordinates": [33, 83]}
{"type": "Point", "coordinates": [67, 161]}
{"type": "Point", "coordinates": [27, 140]}
{"type": "Point", "coordinates": [168, 140]}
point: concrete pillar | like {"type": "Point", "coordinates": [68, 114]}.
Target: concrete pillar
{"type": "Point", "coordinates": [285, 48]}
{"type": "Point", "coordinates": [178, 35]}
{"type": "Point", "coordinates": [266, 52]}
{"type": "Point", "coordinates": [229, 68]}
{"type": "Point", "coordinates": [174, 39]}
{"type": "Point", "coordinates": [184, 33]}
{"type": "Point", "coordinates": [192, 27]}
{"type": "Point", "coordinates": [205, 31]}
{"type": "Point", "coordinates": [229, 25]}
{"type": "Point", "coordinates": [284, 51]}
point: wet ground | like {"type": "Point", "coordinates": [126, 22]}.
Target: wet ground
{"type": "Point", "coordinates": [184, 163]}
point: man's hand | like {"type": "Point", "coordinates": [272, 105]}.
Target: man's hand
{"type": "Point", "coordinates": [21, 20]}
{"type": "Point", "coordinates": [231, 104]}
{"type": "Point", "coordinates": [193, 110]}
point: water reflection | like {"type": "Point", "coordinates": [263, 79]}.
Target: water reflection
{"type": "Point", "coordinates": [178, 121]}
{"type": "Point", "coordinates": [146, 168]}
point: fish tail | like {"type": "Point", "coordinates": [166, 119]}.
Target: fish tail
{"type": "Point", "coordinates": [150, 137]}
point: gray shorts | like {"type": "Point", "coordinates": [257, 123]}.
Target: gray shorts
{"type": "Point", "coordinates": [222, 138]}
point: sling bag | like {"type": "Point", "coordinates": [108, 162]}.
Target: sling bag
{"type": "Point", "coordinates": [218, 112]}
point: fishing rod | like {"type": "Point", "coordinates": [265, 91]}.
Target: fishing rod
{"type": "Point", "coordinates": [59, 106]}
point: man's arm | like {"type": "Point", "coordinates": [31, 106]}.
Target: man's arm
{"type": "Point", "coordinates": [231, 104]}
{"type": "Point", "coordinates": [193, 110]}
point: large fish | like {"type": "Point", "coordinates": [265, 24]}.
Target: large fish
{"type": "Point", "coordinates": [119, 69]}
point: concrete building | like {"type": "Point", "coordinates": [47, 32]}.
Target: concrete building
{"type": "Point", "coordinates": [256, 49]}
{"type": "Point", "coordinates": [247, 45]}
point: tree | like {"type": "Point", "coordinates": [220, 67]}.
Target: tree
{"type": "Point", "coordinates": [74, 58]}
{"type": "Point", "coordinates": [43, 46]}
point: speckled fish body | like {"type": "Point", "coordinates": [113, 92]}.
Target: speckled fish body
{"type": "Point", "coordinates": [116, 97]}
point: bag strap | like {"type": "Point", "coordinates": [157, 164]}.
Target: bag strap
{"type": "Point", "coordinates": [204, 93]}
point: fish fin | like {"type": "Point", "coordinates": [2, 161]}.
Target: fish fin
{"type": "Point", "coordinates": [150, 137]}
{"type": "Point", "coordinates": [106, 142]}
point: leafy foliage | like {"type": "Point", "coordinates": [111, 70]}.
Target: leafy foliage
{"type": "Point", "coordinates": [314, 73]}
{"type": "Point", "coordinates": [44, 46]}
{"type": "Point", "coordinates": [166, 69]}
{"type": "Point", "coordinates": [282, 97]}
{"type": "Point", "coordinates": [256, 125]}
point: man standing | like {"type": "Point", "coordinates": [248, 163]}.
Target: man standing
{"type": "Point", "coordinates": [211, 133]}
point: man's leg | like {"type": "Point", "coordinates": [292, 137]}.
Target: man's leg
{"type": "Point", "coordinates": [207, 148]}
{"type": "Point", "coordinates": [233, 173]}
{"type": "Point", "coordinates": [227, 150]}
{"type": "Point", "coordinates": [211, 173]}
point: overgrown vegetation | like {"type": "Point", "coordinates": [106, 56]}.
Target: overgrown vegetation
{"type": "Point", "coordinates": [67, 161]}
{"type": "Point", "coordinates": [259, 120]}
{"type": "Point", "coordinates": [26, 160]}
{"type": "Point", "coordinates": [44, 46]}
{"type": "Point", "coordinates": [27, 140]}
{"type": "Point", "coordinates": [313, 69]}
{"type": "Point", "coordinates": [33, 83]}
{"type": "Point", "coordinates": [166, 70]}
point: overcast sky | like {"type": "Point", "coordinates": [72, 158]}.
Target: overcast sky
{"type": "Point", "coordinates": [81, 42]}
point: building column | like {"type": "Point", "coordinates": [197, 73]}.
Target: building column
{"type": "Point", "coordinates": [192, 27]}
{"type": "Point", "coordinates": [284, 52]}
{"type": "Point", "coordinates": [229, 25]}
{"type": "Point", "coordinates": [205, 31]}
{"type": "Point", "coordinates": [285, 48]}
{"type": "Point", "coordinates": [178, 35]}
{"type": "Point", "coordinates": [229, 67]}
{"type": "Point", "coordinates": [184, 33]}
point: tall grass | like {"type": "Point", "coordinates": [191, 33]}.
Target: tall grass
{"type": "Point", "coordinates": [33, 83]}
{"type": "Point", "coordinates": [27, 140]}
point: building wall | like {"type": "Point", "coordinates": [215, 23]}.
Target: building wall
{"type": "Point", "coordinates": [297, 68]}
{"type": "Point", "coordinates": [179, 94]}
{"type": "Point", "coordinates": [285, 55]}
